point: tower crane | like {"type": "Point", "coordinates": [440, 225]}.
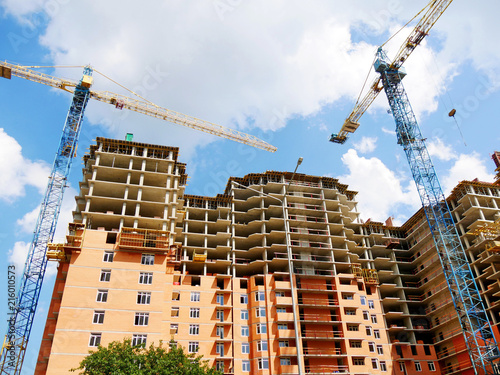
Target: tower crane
{"type": "Point", "coordinates": [476, 327]}
{"type": "Point", "coordinates": [23, 313]}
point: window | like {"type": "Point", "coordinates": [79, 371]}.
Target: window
{"type": "Point", "coordinates": [143, 298]}
{"type": "Point", "coordinates": [261, 328]}
{"type": "Point", "coordinates": [279, 294]}
{"type": "Point", "coordinates": [146, 278]}
{"type": "Point", "coordinates": [260, 312]}
{"type": "Point", "coordinates": [371, 347]}
{"type": "Point", "coordinates": [285, 361]}
{"type": "Point", "coordinates": [366, 316]}
{"type": "Point", "coordinates": [244, 314]}
{"type": "Point", "coordinates": [280, 310]}
{"type": "Point", "coordinates": [174, 312]}
{"type": "Point", "coordinates": [102, 295]}
{"type": "Point", "coordinates": [108, 256]}
{"type": "Point", "coordinates": [244, 298]}
{"type": "Point", "coordinates": [284, 344]}
{"type": "Point", "coordinates": [245, 348]}
{"type": "Point", "coordinates": [174, 328]}
{"type": "Point", "coordinates": [431, 366]}
{"type": "Point", "coordinates": [176, 295]}
{"type": "Point", "coordinates": [260, 296]}
{"type": "Point", "coordinates": [219, 315]}
{"type": "Point", "coordinates": [282, 326]}
{"type": "Point", "coordinates": [417, 366]}
{"type": "Point", "coordinates": [355, 344]}
{"type": "Point", "coordinates": [141, 319]}
{"type": "Point", "coordinates": [95, 339]}
{"type": "Point", "coordinates": [195, 296]}
{"type": "Point", "coordinates": [374, 363]}
{"type": "Point", "coordinates": [350, 311]}
{"type": "Point", "coordinates": [139, 340]}
{"type": "Point", "coordinates": [220, 299]}
{"type": "Point", "coordinates": [105, 275]}
{"type": "Point", "coordinates": [172, 344]}
{"type": "Point", "coordinates": [219, 366]}
{"type": "Point", "coordinates": [374, 318]}
{"type": "Point", "coordinates": [383, 366]}
{"type": "Point", "coordinates": [347, 296]}
{"type": "Point", "coordinates": [245, 366]}
{"type": "Point", "coordinates": [194, 312]}
{"type": "Point", "coordinates": [368, 330]}
{"type": "Point", "coordinates": [402, 367]}
{"type": "Point", "coordinates": [380, 349]}
{"type": "Point", "coordinates": [371, 304]}
{"type": "Point", "coordinates": [148, 259]}
{"type": "Point", "coordinates": [219, 349]}
{"type": "Point", "coordinates": [193, 347]}
{"type": "Point", "coordinates": [263, 363]}
{"type": "Point", "coordinates": [358, 361]}
{"type": "Point", "coordinates": [245, 331]}
{"type": "Point", "coordinates": [362, 299]}
{"type": "Point", "coordinates": [194, 329]}
{"type": "Point", "coordinates": [262, 345]}
{"type": "Point", "coordinates": [353, 327]}
{"type": "Point", "coordinates": [98, 317]}
{"type": "Point", "coordinates": [219, 331]}
{"type": "Point", "coordinates": [376, 333]}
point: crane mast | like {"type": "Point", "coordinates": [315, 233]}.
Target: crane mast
{"type": "Point", "coordinates": [477, 330]}
{"type": "Point", "coordinates": [16, 341]}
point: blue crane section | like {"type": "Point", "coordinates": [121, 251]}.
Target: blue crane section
{"type": "Point", "coordinates": [477, 331]}
{"type": "Point", "coordinates": [15, 344]}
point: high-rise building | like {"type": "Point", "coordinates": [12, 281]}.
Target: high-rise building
{"type": "Point", "coordinates": [146, 261]}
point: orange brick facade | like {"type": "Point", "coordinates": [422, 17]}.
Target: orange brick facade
{"type": "Point", "coordinates": [146, 261]}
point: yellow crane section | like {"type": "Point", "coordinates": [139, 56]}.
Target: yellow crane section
{"type": "Point", "coordinates": [142, 106]}
{"type": "Point", "coordinates": [435, 8]}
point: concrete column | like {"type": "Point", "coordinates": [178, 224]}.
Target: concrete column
{"type": "Point", "coordinates": [129, 177]}
{"type": "Point", "coordinates": [124, 208]}
{"type": "Point", "coordinates": [139, 194]}
{"type": "Point", "coordinates": [131, 163]}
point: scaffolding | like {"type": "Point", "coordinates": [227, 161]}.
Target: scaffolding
{"type": "Point", "coordinates": [143, 239]}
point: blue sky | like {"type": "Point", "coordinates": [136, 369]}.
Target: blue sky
{"type": "Point", "coordinates": [287, 72]}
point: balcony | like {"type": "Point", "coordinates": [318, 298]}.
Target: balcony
{"type": "Point", "coordinates": [317, 335]}
{"type": "Point", "coordinates": [326, 369]}
{"type": "Point", "coordinates": [143, 240]}
{"type": "Point", "coordinates": [286, 333]}
{"type": "Point", "coordinates": [289, 369]}
{"type": "Point", "coordinates": [323, 352]}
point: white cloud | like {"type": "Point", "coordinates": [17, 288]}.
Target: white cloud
{"type": "Point", "coordinates": [466, 167]}
{"type": "Point", "coordinates": [366, 145]}
{"type": "Point", "coordinates": [381, 193]}
{"type": "Point", "coordinates": [437, 148]}
{"type": "Point", "coordinates": [210, 61]}
{"type": "Point", "coordinates": [18, 172]}
{"type": "Point", "coordinates": [388, 131]}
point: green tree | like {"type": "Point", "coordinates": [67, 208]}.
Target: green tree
{"type": "Point", "coordinates": [121, 358]}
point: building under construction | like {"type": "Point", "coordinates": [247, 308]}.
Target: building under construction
{"type": "Point", "coordinates": [275, 275]}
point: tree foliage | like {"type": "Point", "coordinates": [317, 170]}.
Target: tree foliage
{"type": "Point", "coordinates": [121, 358]}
